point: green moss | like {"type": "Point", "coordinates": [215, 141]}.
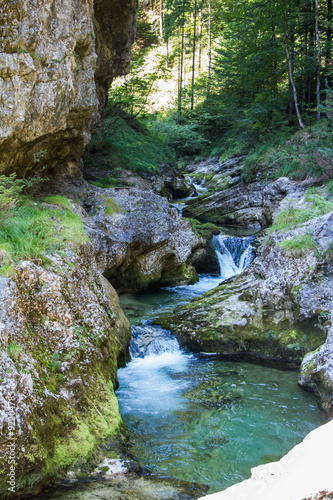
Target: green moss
{"type": "Point", "coordinates": [202, 230]}
{"type": "Point", "coordinates": [112, 207]}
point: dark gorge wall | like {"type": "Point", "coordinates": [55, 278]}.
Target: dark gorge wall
{"type": "Point", "coordinates": [57, 59]}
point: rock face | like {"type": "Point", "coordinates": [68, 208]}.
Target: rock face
{"type": "Point", "coordinates": [278, 307]}
{"type": "Point", "coordinates": [317, 372]}
{"type": "Point", "coordinates": [169, 182]}
{"type": "Point", "coordinates": [57, 59]}
{"type": "Point", "coordinates": [61, 331]}
{"type": "Point", "coordinates": [249, 205]}
{"type": "Point", "coordinates": [139, 240]}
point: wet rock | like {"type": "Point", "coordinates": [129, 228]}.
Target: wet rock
{"type": "Point", "coordinates": [129, 487]}
{"type": "Point", "coordinates": [249, 205]}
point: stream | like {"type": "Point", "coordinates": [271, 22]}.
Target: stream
{"type": "Point", "coordinates": [197, 418]}
{"type": "Point", "coordinates": [201, 418]}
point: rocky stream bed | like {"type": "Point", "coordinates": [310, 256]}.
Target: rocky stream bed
{"type": "Point", "coordinates": [73, 335]}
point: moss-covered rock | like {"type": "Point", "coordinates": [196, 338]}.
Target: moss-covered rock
{"type": "Point", "coordinates": [277, 308]}
{"type": "Point", "coordinates": [317, 372]}
{"type": "Point", "coordinates": [61, 333]}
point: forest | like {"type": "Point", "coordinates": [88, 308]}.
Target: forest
{"type": "Point", "coordinates": [242, 78]}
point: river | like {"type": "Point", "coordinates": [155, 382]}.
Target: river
{"type": "Point", "coordinates": [199, 417]}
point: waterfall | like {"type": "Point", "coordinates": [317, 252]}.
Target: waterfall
{"type": "Point", "coordinates": [234, 254]}
{"type": "Point", "coordinates": [150, 340]}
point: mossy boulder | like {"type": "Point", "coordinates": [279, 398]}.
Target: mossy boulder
{"type": "Point", "coordinates": [317, 371]}
{"type": "Point", "coordinates": [277, 308]}
{"type": "Point", "coordinates": [61, 333]}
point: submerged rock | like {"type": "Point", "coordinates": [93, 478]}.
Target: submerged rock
{"type": "Point", "coordinates": [61, 332]}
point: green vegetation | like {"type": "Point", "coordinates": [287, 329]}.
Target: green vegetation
{"type": "Point", "coordinates": [59, 201]}
{"type": "Point", "coordinates": [230, 97]}
{"type": "Point", "coordinates": [293, 217]}
{"type": "Point", "coordinates": [112, 207]}
{"type": "Point", "coordinates": [15, 351]}
{"type": "Point", "coordinates": [10, 188]}
{"type": "Point", "coordinates": [124, 143]}
{"type": "Point", "coordinates": [32, 231]}
{"type": "Point", "coordinates": [298, 245]}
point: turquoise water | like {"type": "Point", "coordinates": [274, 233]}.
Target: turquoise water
{"type": "Point", "coordinates": [200, 418]}
{"type": "Point", "coordinates": [208, 420]}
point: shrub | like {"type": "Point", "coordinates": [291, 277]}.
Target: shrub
{"type": "Point", "coordinates": [10, 188]}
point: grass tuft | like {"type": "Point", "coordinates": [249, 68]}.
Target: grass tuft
{"type": "Point", "coordinates": [298, 245]}
{"type": "Point", "coordinates": [33, 231]}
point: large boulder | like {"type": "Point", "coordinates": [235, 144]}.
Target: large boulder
{"type": "Point", "coordinates": [249, 205]}
{"type": "Point", "coordinates": [139, 240]}
{"type": "Point", "coordinates": [61, 332]}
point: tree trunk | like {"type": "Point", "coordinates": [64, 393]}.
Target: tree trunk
{"type": "Point", "coordinates": [328, 60]}
{"type": "Point", "coordinates": [161, 19]}
{"type": "Point", "coordinates": [209, 46]}
{"type": "Point", "coordinates": [199, 42]}
{"type": "Point", "coordinates": [193, 53]}
{"type": "Point", "coordinates": [290, 67]}
{"type": "Point", "coordinates": [318, 60]}
{"type": "Point", "coordinates": [181, 66]}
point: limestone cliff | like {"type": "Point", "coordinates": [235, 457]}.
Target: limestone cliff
{"type": "Point", "coordinates": [57, 59]}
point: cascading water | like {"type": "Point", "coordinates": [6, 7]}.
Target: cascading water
{"type": "Point", "coordinates": [234, 254]}
{"type": "Point", "coordinates": [200, 418]}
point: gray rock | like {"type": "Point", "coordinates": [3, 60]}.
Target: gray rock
{"type": "Point", "coordinates": [57, 60]}
{"type": "Point", "coordinates": [249, 205]}
{"type": "Point", "coordinates": [143, 243]}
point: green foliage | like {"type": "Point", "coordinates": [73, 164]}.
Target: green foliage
{"type": "Point", "coordinates": [329, 188]}
{"type": "Point", "coordinates": [307, 152]}
{"type": "Point", "coordinates": [10, 188]}
{"type": "Point", "coordinates": [15, 351]}
{"type": "Point", "coordinates": [122, 142]}
{"type": "Point", "coordinates": [33, 231]}
{"type": "Point", "coordinates": [178, 139]}
{"type": "Point", "coordinates": [298, 245]}
{"type": "Point", "coordinates": [293, 217]}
